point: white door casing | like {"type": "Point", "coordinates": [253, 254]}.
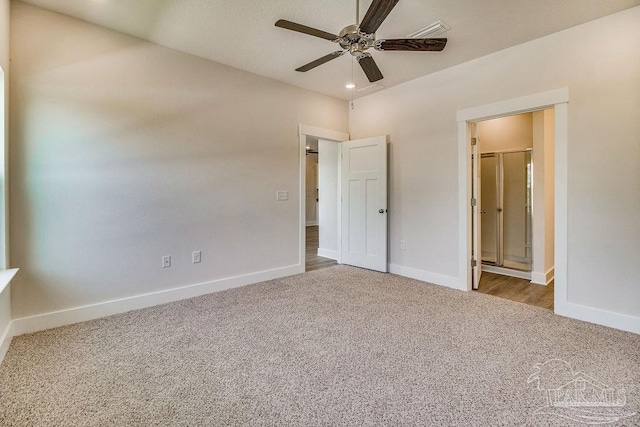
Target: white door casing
{"type": "Point", "coordinates": [475, 209]}
{"type": "Point", "coordinates": [364, 203]}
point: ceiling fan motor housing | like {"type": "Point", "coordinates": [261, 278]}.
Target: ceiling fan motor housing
{"type": "Point", "coordinates": [354, 40]}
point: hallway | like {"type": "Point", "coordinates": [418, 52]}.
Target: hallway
{"type": "Point", "coordinates": [312, 260]}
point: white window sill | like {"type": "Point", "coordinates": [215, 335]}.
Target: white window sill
{"type": "Point", "coordinates": [5, 277]}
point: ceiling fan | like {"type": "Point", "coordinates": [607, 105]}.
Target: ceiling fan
{"type": "Point", "coordinates": [356, 39]}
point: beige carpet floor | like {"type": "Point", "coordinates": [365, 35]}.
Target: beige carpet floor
{"type": "Point", "coordinates": [339, 346]}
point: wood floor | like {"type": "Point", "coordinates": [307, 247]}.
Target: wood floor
{"type": "Point", "coordinates": [515, 289]}
{"type": "Point", "coordinates": [313, 261]}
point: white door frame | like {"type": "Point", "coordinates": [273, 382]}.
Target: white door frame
{"type": "Point", "coordinates": [303, 132]}
{"type": "Point", "coordinates": [557, 99]}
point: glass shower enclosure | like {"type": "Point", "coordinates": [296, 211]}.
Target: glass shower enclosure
{"type": "Point", "coordinates": [506, 209]}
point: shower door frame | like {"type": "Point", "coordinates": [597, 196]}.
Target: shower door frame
{"type": "Point", "coordinates": [498, 266]}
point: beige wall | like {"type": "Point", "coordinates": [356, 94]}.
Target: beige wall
{"type": "Point", "coordinates": [600, 65]}
{"type": "Point", "coordinates": [549, 191]}
{"type": "Point", "coordinates": [543, 196]}
{"type": "Point", "coordinates": [5, 297]}
{"type": "Point", "coordinates": [124, 151]}
{"type": "Point", "coordinates": [4, 127]}
{"type": "Point", "coordinates": [506, 133]}
{"type": "Point", "coordinates": [329, 192]}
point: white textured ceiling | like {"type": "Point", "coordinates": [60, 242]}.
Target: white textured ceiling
{"type": "Point", "coordinates": [241, 33]}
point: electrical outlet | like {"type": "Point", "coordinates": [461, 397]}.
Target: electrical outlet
{"type": "Point", "coordinates": [403, 244]}
{"type": "Point", "coordinates": [195, 257]}
{"type": "Point", "coordinates": [282, 195]}
{"type": "Point", "coordinates": [166, 261]}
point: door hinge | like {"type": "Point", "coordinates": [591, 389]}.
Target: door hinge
{"type": "Point", "coordinates": [474, 141]}
{"type": "Point", "coordinates": [474, 263]}
{"type": "Point", "coordinates": [474, 202]}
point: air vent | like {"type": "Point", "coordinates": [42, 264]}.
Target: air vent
{"type": "Point", "coordinates": [432, 30]}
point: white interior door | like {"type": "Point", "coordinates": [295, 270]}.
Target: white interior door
{"type": "Point", "coordinates": [476, 254]}
{"type": "Point", "coordinates": [364, 203]}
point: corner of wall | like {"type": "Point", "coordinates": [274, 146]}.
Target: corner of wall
{"type": "Point", "coordinates": [6, 324]}
{"type": "Point", "coordinates": [429, 277]}
{"type": "Point", "coordinates": [5, 341]}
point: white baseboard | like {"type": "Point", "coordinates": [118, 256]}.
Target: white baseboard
{"type": "Point", "coordinates": [551, 274]}
{"type": "Point", "coordinates": [427, 276]}
{"type": "Point", "coordinates": [40, 322]}
{"type": "Point", "coordinates": [5, 340]}
{"type": "Point", "coordinates": [539, 278]}
{"type": "Point", "coordinates": [600, 317]}
{"type": "Point", "coordinates": [326, 253]}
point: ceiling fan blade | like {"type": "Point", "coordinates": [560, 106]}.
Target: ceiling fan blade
{"type": "Point", "coordinates": [418, 45]}
{"type": "Point", "coordinates": [377, 13]}
{"type": "Point", "coordinates": [313, 64]}
{"type": "Point", "coordinates": [282, 23]}
{"type": "Point", "coordinates": [370, 68]}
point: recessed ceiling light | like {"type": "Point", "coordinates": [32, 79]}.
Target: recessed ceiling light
{"type": "Point", "coordinates": [432, 30]}
{"type": "Point", "coordinates": [350, 85]}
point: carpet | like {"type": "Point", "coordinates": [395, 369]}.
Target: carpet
{"type": "Point", "coordinates": [338, 346]}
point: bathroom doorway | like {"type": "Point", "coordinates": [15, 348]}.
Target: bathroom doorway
{"type": "Point", "coordinates": [515, 198]}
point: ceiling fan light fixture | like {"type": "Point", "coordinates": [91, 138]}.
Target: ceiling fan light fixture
{"type": "Point", "coordinates": [432, 30]}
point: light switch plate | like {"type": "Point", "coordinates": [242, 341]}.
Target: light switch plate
{"type": "Point", "coordinates": [282, 195]}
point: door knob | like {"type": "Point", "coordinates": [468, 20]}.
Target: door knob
{"type": "Point", "coordinates": [381, 211]}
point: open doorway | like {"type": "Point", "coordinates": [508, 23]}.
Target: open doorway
{"type": "Point", "coordinates": [513, 189]}
{"type": "Point", "coordinates": [321, 202]}
{"type": "Point", "coordinates": [355, 200]}
{"type": "Point", "coordinates": [558, 99]}
{"type": "Point", "coordinates": [315, 147]}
